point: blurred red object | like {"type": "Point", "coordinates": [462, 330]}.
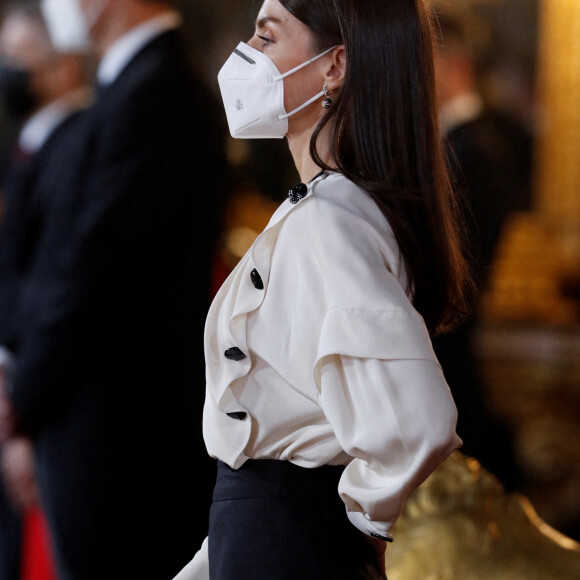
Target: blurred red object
{"type": "Point", "coordinates": [37, 562]}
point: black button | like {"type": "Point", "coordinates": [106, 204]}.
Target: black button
{"type": "Point", "coordinates": [234, 353]}
{"type": "Point", "coordinates": [297, 193]}
{"type": "Point", "coordinates": [239, 415]}
{"type": "Point", "coordinates": [257, 279]}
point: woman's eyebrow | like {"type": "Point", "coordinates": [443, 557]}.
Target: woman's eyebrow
{"type": "Point", "coordinates": [262, 22]}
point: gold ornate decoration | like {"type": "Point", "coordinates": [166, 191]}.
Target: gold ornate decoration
{"type": "Point", "coordinates": [461, 525]}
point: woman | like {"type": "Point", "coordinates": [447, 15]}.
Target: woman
{"type": "Point", "coordinates": [325, 403]}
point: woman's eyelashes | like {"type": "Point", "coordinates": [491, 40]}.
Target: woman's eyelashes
{"type": "Point", "coordinates": [265, 39]}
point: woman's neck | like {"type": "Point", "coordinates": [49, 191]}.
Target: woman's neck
{"type": "Point", "coordinates": [299, 144]}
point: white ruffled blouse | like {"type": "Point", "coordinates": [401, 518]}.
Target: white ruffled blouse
{"type": "Point", "coordinates": [331, 364]}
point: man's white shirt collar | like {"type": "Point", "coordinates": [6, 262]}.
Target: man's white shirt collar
{"type": "Point", "coordinates": [40, 126]}
{"type": "Point", "coordinates": [125, 48]}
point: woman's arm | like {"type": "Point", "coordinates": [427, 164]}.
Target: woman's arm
{"type": "Point", "coordinates": [397, 419]}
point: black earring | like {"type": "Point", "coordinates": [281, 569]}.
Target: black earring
{"type": "Point", "coordinates": [327, 101]}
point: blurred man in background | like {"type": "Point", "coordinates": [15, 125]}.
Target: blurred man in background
{"type": "Point", "coordinates": [108, 370]}
{"type": "Point", "coordinates": [490, 151]}
{"type": "Point", "coordinates": [490, 158]}
{"type": "Point", "coordinates": [42, 92]}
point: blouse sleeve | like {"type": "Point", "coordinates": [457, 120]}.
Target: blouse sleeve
{"type": "Point", "coordinates": [198, 568]}
{"type": "Point", "coordinates": [391, 410]}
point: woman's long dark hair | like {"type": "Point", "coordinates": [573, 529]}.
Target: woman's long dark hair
{"type": "Point", "coordinates": [385, 138]}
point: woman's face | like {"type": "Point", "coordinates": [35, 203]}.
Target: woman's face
{"type": "Point", "coordinates": [288, 43]}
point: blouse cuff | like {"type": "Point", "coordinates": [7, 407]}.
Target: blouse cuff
{"type": "Point", "coordinates": [367, 526]}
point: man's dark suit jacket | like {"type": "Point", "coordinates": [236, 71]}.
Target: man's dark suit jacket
{"type": "Point", "coordinates": [25, 206]}
{"type": "Point", "coordinates": [21, 222]}
{"type": "Point", "coordinates": [110, 367]}
{"type": "Point", "coordinates": [490, 159]}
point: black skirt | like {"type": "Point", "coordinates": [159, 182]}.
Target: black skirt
{"type": "Point", "coordinates": [273, 520]}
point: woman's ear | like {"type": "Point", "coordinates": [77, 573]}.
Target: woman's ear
{"type": "Point", "coordinates": [336, 71]}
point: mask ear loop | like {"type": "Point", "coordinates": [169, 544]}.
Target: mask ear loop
{"type": "Point", "coordinates": [296, 69]}
{"type": "Point", "coordinates": [301, 66]}
{"type": "Point", "coordinates": [301, 107]}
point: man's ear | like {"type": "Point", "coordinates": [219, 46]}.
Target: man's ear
{"type": "Point", "coordinates": [335, 73]}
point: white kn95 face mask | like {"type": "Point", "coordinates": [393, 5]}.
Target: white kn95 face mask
{"type": "Point", "coordinates": [66, 25]}
{"type": "Point", "coordinates": [69, 27]}
{"type": "Point", "coordinates": [252, 90]}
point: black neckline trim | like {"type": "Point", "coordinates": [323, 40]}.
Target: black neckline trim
{"type": "Point", "coordinates": [321, 172]}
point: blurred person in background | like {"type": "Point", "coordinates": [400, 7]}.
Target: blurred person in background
{"type": "Point", "coordinates": [107, 373]}
{"type": "Point", "coordinates": [490, 158]}
{"type": "Point", "coordinates": [43, 92]}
